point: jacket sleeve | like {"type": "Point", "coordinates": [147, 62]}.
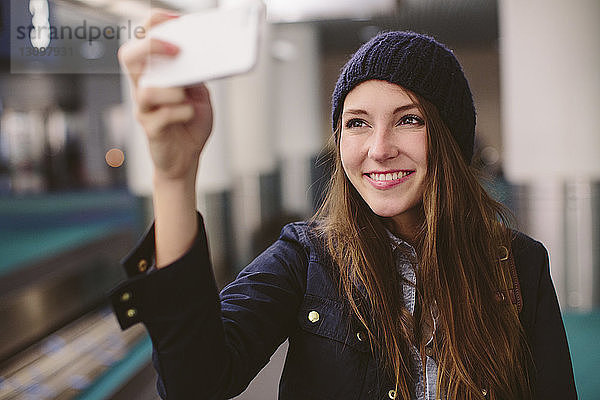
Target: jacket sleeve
{"type": "Point", "coordinates": [554, 372]}
{"type": "Point", "coordinates": [205, 345]}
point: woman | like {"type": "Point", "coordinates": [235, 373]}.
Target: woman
{"type": "Point", "coordinates": [400, 286]}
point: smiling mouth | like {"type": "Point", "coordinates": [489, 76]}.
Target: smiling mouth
{"type": "Point", "coordinates": [389, 176]}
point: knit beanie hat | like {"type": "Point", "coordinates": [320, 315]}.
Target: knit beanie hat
{"type": "Point", "coordinates": [420, 64]}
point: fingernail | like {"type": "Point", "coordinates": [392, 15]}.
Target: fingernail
{"type": "Point", "coordinates": [171, 48]}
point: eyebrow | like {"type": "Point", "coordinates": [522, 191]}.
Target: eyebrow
{"type": "Point", "coordinates": [358, 111]}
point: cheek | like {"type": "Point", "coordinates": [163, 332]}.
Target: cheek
{"type": "Point", "coordinates": [344, 156]}
{"type": "Point", "coordinates": [349, 155]}
{"type": "Point", "coordinates": [420, 150]}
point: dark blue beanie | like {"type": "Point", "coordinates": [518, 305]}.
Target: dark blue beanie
{"type": "Point", "coordinates": [420, 64]}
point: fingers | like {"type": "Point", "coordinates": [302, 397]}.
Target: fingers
{"type": "Point", "coordinates": [156, 121]}
{"type": "Point", "coordinates": [134, 54]}
{"type": "Point", "coordinates": [157, 16]}
{"type": "Point", "coordinates": [149, 98]}
{"type": "Point", "coordinates": [160, 107]}
{"type": "Point", "coordinates": [198, 93]}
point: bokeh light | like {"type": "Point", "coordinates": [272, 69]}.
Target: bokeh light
{"type": "Point", "coordinates": [115, 157]}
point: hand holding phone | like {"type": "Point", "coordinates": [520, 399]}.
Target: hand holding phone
{"type": "Point", "coordinates": [213, 44]}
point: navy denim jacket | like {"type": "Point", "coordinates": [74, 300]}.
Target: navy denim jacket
{"type": "Point", "coordinates": [206, 347]}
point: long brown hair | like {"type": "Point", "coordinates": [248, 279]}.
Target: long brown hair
{"type": "Point", "coordinates": [480, 346]}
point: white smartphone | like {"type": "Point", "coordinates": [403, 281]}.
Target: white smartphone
{"type": "Point", "coordinates": [213, 44]}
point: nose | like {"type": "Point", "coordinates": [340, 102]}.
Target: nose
{"type": "Point", "coordinates": [382, 146]}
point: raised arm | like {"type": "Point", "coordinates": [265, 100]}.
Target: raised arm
{"type": "Point", "coordinates": [205, 346]}
{"type": "Point", "coordinates": [177, 122]}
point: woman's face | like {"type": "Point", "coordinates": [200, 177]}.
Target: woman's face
{"type": "Point", "coordinates": [383, 146]}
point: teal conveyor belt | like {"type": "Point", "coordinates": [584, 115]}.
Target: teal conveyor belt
{"type": "Point", "coordinates": [28, 246]}
{"type": "Point", "coordinates": [119, 374]}
{"type": "Point", "coordinates": [37, 227]}
{"type": "Point", "coordinates": [583, 333]}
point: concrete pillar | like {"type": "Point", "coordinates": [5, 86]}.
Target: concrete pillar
{"type": "Point", "coordinates": [251, 150]}
{"type": "Point", "coordinates": [550, 58]}
{"type": "Point", "coordinates": [580, 237]}
{"type": "Point", "coordinates": [545, 221]}
{"type": "Point", "coordinates": [296, 110]}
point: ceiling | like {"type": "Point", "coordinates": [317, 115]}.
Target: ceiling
{"type": "Point", "coordinates": [344, 24]}
{"type": "Point", "coordinates": [460, 22]}
{"type": "Point", "coordinates": [277, 10]}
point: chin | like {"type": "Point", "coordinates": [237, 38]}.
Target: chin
{"type": "Point", "coordinates": [390, 211]}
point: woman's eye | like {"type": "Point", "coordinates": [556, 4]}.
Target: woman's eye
{"type": "Point", "coordinates": [411, 119]}
{"type": "Point", "coordinates": [355, 123]}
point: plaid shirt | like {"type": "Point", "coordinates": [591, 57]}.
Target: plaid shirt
{"type": "Point", "coordinates": [425, 378]}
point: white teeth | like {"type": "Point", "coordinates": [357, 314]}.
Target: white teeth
{"type": "Point", "coordinates": [389, 176]}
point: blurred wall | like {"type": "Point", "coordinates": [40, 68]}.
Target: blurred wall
{"type": "Point", "coordinates": [550, 54]}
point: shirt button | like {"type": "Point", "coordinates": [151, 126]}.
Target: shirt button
{"type": "Point", "coordinates": [392, 394]}
{"type": "Point", "coordinates": [125, 297]}
{"type": "Point", "coordinates": [132, 312]}
{"type": "Point", "coordinates": [429, 351]}
{"type": "Point", "coordinates": [142, 265]}
{"type": "Point", "coordinates": [313, 316]}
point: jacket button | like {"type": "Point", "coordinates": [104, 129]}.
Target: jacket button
{"type": "Point", "coordinates": [359, 336]}
{"type": "Point", "coordinates": [313, 316]}
{"type": "Point", "coordinates": [392, 394]}
{"type": "Point", "coordinates": [125, 297]}
{"type": "Point", "coordinates": [503, 253]}
{"type": "Point", "coordinates": [484, 392]}
{"type": "Point", "coordinates": [500, 297]}
{"type": "Point", "coordinates": [142, 265]}
{"type": "Point", "coordinates": [131, 312]}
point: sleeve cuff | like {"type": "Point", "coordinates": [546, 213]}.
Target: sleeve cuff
{"type": "Point", "coordinates": [141, 259]}
{"type": "Point", "coordinates": [151, 293]}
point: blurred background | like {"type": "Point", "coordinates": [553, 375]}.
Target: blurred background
{"type": "Point", "coordinates": [75, 177]}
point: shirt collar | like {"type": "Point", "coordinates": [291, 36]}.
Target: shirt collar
{"type": "Point", "coordinates": [401, 244]}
